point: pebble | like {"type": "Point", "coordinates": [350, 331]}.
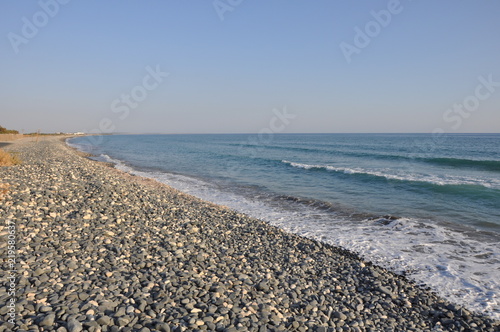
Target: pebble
{"type": "Point", "coordinates": [339, 315]}
{"type": "Point", "coordinates": [47, 320]}
{"type": "Point", "coordinates": [74, 325]}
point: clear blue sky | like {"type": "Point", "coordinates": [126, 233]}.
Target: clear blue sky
{"type": "Point", "coordinates": [230, 63]}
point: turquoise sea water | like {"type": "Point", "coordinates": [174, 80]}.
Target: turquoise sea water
{"type": "Point", "coordinates": [337, 188]}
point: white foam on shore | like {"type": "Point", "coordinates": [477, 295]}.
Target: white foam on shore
{"type": "Point", "coordinates": [461, 269]}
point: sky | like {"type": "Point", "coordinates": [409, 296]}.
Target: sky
{"type": "Point", "coordinates": [241, 66]}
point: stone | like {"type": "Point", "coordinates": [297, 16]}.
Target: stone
{"type": "Point", "coordinates": [339, 315]}
{"type": "Point", "coordinates": [105, 320]}
{"type": "Point", "coordinates": [122, 321]}
{"type": "Point", "coordinates": [74, 325]}
{"type": "Point", "coordinates": [48, 320]}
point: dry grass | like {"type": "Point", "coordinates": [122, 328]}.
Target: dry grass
{"type": "Point", "coordinates": [8, 159]}
{"type": "Point", "coordinates": [4, 188]}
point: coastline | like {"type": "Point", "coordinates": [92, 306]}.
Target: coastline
{"type": "Point", "coordinates": [117, 250]}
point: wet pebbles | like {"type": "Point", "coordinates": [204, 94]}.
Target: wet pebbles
{"type": "Point", "coordinates": [100, 250]}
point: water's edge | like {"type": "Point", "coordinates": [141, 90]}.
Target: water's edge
{"type": "Point", "coordinates": [370, 246]}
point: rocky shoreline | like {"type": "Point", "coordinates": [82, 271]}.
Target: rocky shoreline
{"type": "Point", "coordinates": [97, 249]}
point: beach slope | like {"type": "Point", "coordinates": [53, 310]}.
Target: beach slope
{"type": "Point", "coordinates": [97, 249]}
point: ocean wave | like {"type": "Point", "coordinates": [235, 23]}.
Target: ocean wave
{"type": "Point", "coordinates": [118, 164]}
{"type": "Point", "coordinates": [407, 177]}
{"type": "Point", "coordinates": [488, 165]}
{"type": "Point", "coordinates": [476, 164]}
{"type": "Point", "coordinates": [80, 146]}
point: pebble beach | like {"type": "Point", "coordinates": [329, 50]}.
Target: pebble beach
{"type": "Point", "coordinates": [97, 249]}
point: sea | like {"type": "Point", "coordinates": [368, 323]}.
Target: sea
{"type": "Point", "coordinates": [426, 206]}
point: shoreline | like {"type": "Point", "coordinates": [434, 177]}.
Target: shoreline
{"type": "Point", "coordinates": [170, 261]}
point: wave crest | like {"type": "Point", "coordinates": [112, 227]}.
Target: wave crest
{"type": "Point", "coordinates": [403, 176]}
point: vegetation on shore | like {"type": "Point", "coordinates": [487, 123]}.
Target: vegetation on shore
{"type": "Point", "coordinates": [8, 131]}
{"type": "Point", "coordinates": [8, 159]}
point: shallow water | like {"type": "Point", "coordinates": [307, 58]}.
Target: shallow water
{"type": "Point", "coordinates": [336, 187]}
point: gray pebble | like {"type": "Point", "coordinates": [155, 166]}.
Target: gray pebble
{"type": "Point", "coordinates": [48, 320]}
{"type": "Point", "coordinates": [74, 325]}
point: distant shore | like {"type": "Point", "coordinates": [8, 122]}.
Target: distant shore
{"type": "Point", "coordinates": [100, 250]}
